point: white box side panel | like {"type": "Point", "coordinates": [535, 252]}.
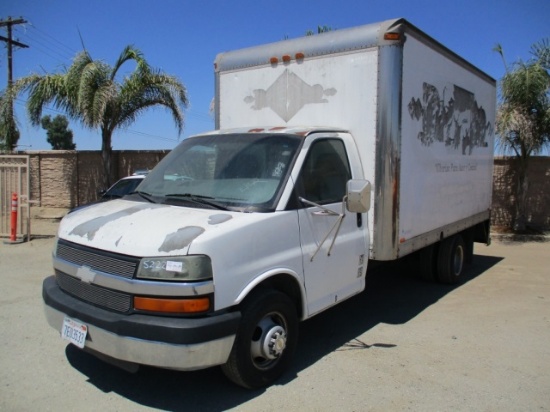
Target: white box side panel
{"type": "Point", "coordinates": [336, 91]}
{"type": "Point", "coordinates": [447, 142]}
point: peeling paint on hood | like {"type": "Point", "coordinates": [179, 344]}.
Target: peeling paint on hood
{"type": "Point", "coordinates": [181, 238]}
{"type": "Point", "coordinates": [139, 229]}
{"type": "Point", "coordinates": [88, 229]}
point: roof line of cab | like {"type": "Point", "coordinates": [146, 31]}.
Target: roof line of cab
{"type": "Point", "coordinates": [296, 130]}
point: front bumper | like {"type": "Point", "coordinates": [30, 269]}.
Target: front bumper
{"type": "Point", "coordinates": [165, 342]}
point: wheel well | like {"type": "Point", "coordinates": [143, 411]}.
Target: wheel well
{"type": "Point", "coordinates": [468, 236]}
{"type": "Point", "coordinates": [285, 284]}
{"type": "Point", "coordinates": [477, 233]}
{"type": "Point", "coordinates": [482, 232]}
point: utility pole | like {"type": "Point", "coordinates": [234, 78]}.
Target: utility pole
{"type": "Point", "coordinates": [9, 40]}
{"type": "Point", "coordinates": [12, 134]}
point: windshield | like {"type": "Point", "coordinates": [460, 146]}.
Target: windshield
{"type": "Point", "coordinates": [244, 172]}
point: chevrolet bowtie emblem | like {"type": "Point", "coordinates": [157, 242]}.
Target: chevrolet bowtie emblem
{"type": "Point", "coordinates": [85, 274]}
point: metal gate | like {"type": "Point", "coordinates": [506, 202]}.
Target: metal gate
{"type": "Point", "coordinates": [15, 178]}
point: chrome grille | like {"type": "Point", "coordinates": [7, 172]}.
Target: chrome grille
{"type": "Point", "coordinates": [96, 295]}
{"type": "Point", "coordinates": [114, 264]}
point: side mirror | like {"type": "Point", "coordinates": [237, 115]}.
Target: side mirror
{"type": "Point", "coordinates": [358, 196]}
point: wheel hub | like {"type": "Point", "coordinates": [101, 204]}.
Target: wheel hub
{"type": "Point", "coordinates": [458, 261]}
{"type": "Point", "coordinates": [271, 341]}
{"type": "Point", "coordinates": [275, 342]}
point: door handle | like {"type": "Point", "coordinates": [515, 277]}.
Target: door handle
{"type": "Point", "coordinates": [323, 213]}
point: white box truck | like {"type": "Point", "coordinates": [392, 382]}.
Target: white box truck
{"type": "Point", "coordinates": [332, 150]}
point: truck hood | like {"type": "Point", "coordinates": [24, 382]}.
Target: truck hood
{"type": "Point", "coordinates": [140, 229]}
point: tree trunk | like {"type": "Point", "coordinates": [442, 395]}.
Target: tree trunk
{"type": "Point", "coordinates": [106, 151]}
{"type": "Point", "coordinates": [520, 220]}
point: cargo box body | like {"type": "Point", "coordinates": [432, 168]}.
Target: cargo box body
{"type": "Point", "coordinates": [421, 116]}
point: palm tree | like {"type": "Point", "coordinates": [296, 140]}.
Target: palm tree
{"type": "Point", "coordinates": [90, 92]}
{"type": "Point", "coordinates": [320, 29]}
{"type": "Point", "coordinates": [9, 134]}
{"type": "Point", "coordinates": [523, 118]}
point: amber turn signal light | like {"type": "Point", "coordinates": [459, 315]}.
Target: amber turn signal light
{"type": "Point", "coordinates": [172, 305]}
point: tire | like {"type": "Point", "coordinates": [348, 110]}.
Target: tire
{"type": "Point", "coordinates": [265, 342]}
{"type": "Point", "coordinates": [451, 259]}
{"type": "Point", "coordinates": [427, 266]}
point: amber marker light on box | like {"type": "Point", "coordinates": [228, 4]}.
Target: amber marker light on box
{"type": "Point", "coordinates": [171, 305]}
{"type": "Point", "coordinates": [392, 36]}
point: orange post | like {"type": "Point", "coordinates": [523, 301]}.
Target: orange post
{"type": "Point", "coordinates": [13, 235]}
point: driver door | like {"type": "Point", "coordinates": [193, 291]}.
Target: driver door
{"type": "Point", "coordinates": [334, 250]}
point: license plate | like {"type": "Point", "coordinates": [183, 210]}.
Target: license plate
{"type": "Point", "coordinates": [74, 331]}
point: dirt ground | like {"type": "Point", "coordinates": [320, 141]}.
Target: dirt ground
{"type": "Point", "coordinates": [403, 344]}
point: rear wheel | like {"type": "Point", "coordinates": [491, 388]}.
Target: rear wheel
{"type": "Point", "coordinates": [265, 342]}
{"type": "Point", "coordinates": [450, 259]}
{"type": "Point", "coordinates": [427, 264]}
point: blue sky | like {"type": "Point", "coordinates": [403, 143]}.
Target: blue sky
{"type": "Point", "coordinates": [182, 38]}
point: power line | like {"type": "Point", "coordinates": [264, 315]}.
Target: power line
{"type": "Point", "coordinates": [46, 45]}
{"type": "Point", "coordinates": [199, 116]}
{"type": "Point", "coordinates": [40, 40]}
{"type": "Point", "coordinates": [157, 137]}
{"type": "Point", "coordinates": [62, 45]}
{"type": "Point", "coordinates": [61, 50]}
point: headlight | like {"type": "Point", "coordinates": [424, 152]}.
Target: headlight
{"type": "Point", "coordinates": [179, 268]}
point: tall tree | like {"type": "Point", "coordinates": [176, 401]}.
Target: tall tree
{"type": "Point", "coordinates": [99, 97]}
{"type": "Point", "coordinates": [523, 117]}
{"type": "Point", "coordinates": [9, 133]}
{"type": "Point", "coordinates": [58, 132]}
{"type": "Point", "coordinates": [320, 29]}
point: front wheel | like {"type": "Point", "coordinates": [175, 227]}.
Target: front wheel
{"type": "Point", "coordinates": [265, 342]}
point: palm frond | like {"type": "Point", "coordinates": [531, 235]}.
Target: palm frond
{"type": "Point", "coordinates": [74, 75]}
{"type": "Point", "coordinates": [541, 52]}
{"type": "Point", "coordinates": [130, 53]}
{"type": "Point", "coordinates": [526, 85]}
{"type": "Point", "coordinates": [520, 132]}
{"type": "Point", "coordinates": [141, 92]}
{"type": "Point", "coordinates": [95, 92]}
{"type": "Point", "coordinates": [42, 91]}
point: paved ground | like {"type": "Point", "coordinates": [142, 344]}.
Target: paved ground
{"type": "Point", "coordinates": [404, 344]}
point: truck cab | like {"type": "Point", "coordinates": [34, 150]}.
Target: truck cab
{"type": "Point", "coordinates": [224, 247]}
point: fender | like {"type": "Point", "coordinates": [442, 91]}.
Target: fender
{"type": "Point", "coordinates": [270, 274]}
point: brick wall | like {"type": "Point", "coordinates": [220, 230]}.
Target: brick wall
{"type": "Point", "coordinates": [57, 179]}
{"type": "Point", "coordinates": [66, 179]}
{"type": "Point", "coordinates": [538, 196]}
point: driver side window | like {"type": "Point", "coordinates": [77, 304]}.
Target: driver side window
{"type": "Point", "coordinates": [325, 172]}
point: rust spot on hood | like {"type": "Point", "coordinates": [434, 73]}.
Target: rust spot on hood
{"type": "Point", "coordinates": [181, 238]}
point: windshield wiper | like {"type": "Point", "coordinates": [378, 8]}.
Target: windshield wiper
{"type": "Point", "coordinates": [199, 199]}
{"type": "Point", "coordinates": [144, 195]}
